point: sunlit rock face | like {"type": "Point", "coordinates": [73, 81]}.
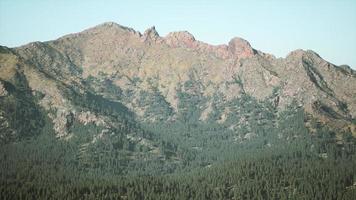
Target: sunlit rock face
{"type": "Point", "coordinates": [138, 70]}
{"type": "Point", "coordinates": [241, 48]}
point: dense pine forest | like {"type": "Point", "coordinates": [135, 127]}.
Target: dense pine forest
{"type": "Point", "coordinates": [283, 159]}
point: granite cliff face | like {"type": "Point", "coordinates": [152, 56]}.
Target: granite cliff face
{"type": "Point", "coordinates": [145, 75]}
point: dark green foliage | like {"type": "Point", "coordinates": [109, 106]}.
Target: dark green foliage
{"type": "Point", "coordinates": [256, 153]}
{"type": "Point", "coordinates": [104, 86]}
{"type": "Point", "coordinates": [156, 105]}
{"type": "Point", "coordinates": [20, 110]}
{"type": "Point", "coordinates": [283, 172]}
{"type": "Point", "coordinates": [240, 83]}
{"type": "Point", "coordinates": [326, 110]}
{"type": "Point", "coordinates": [190, 102]}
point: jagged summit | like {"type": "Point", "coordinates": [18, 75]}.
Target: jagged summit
{"type": "Point", "coordinates": [150, 35]}
{"type": "Point", "coordinates": [151, 32]}
{"type": "Point", "coordinates": [237, 47]}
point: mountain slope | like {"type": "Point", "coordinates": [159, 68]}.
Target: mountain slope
{"type": "Point", "coordinates": [161, 78]}
{"type": "Point", "coordinates": [135, 65]}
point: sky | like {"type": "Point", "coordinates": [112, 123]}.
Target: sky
{"type": "Point", "coordinates": [327, 27]}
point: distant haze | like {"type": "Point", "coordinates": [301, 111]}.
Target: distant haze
{"type": "Point", "coordinates": [328, 27]}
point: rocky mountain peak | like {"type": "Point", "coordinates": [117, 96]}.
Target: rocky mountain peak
{"type": "Point", "coordinates": [300, 53]}
{"type": "Point", "coordinates": [241, 48]}
{"type": "Point", "coordinates": [151, 34]}
{"type": "Point", "coordinates": [296, 53]}
{"type": "Point", "coordinates": [111, 25]}
{"type": "Point", "coordinates": [180, 38]}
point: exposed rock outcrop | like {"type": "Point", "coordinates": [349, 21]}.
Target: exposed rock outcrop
{"type": "Point", "coordinates": [181, 39]}
{"type": "Point", "coordinates": [241, 48]}
{"type": "Point", "coordinates": [151, 36]}
{"type": "Point", "coordinates": [88, 117]}
{"type": "Point", "coordinates": [3, 91]}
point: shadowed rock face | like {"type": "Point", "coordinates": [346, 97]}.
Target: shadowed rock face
{"type": "Point", "coordinates": [138, 70]}
{"type": "Point", "coordinates": [151, 35]}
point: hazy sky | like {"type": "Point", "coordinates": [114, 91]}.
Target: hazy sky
{"type": "Point", "coordinates": [273, 26]}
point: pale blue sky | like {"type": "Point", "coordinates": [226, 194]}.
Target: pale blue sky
{"type": "Point", "coordinates": [273, 26]}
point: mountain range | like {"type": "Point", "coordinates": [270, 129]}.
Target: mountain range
{"type": "Point", "coordinates": [169, 100]}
